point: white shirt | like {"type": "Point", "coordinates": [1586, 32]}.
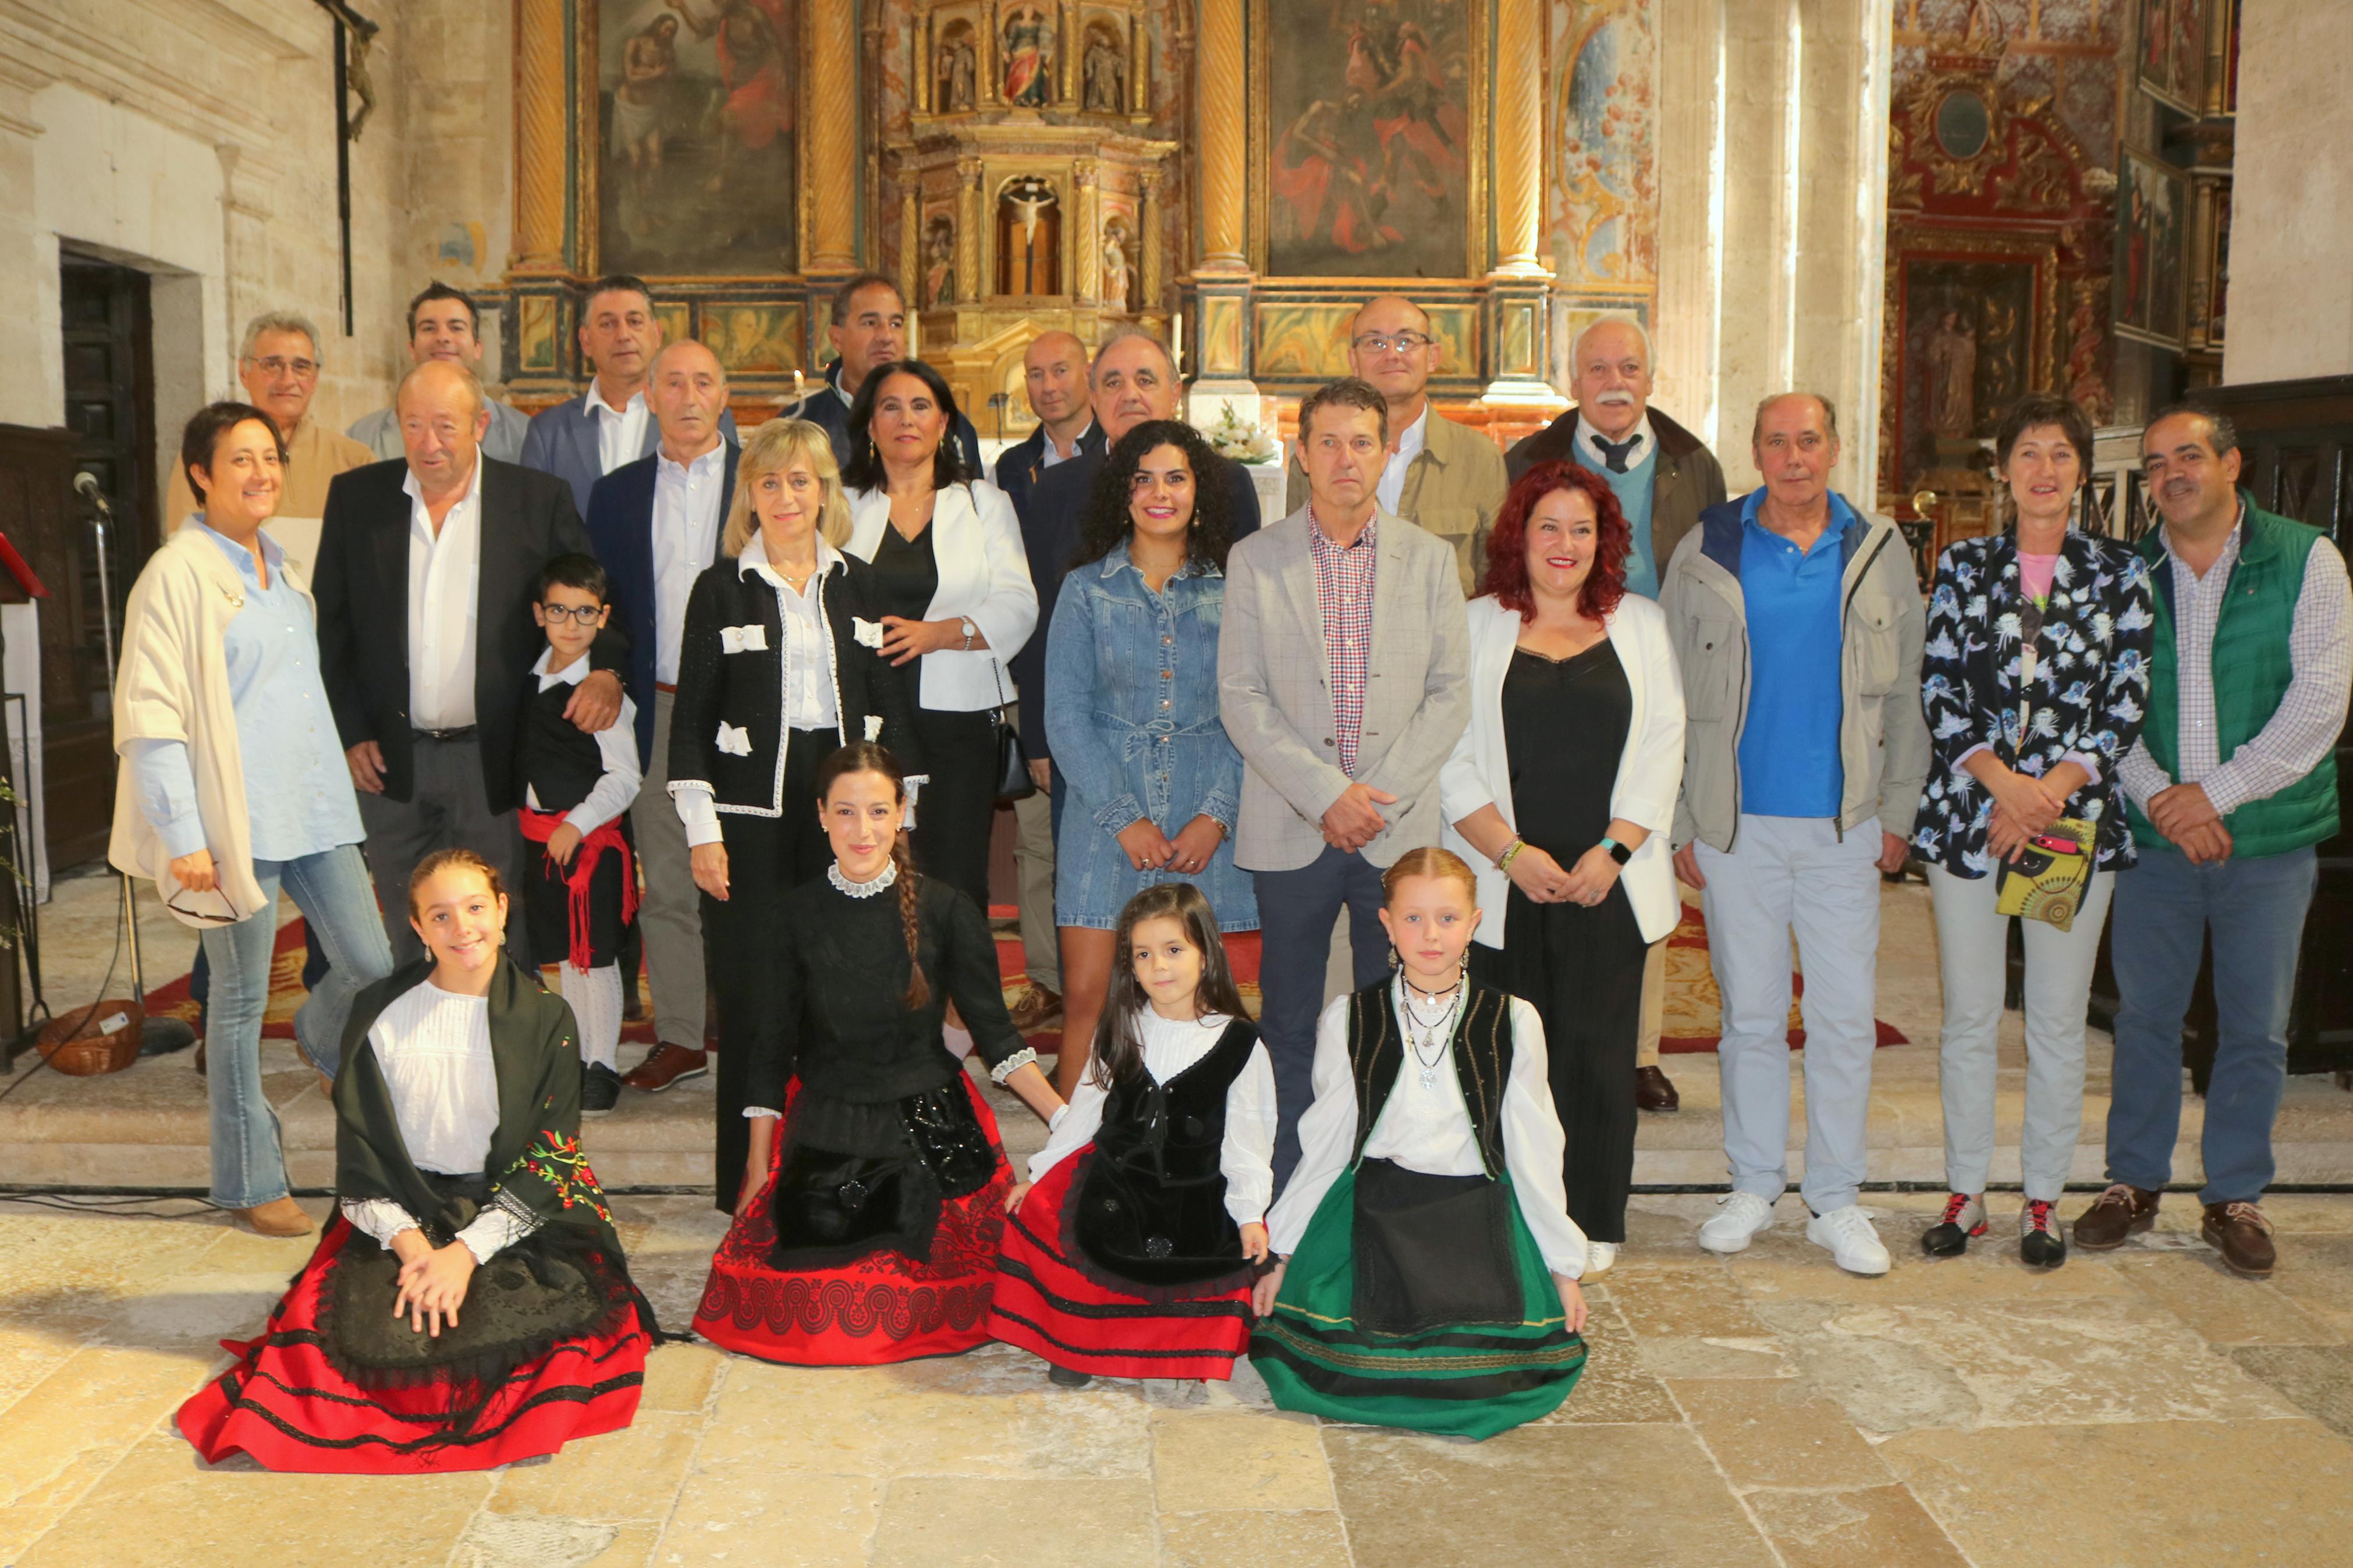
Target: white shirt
{"type": "Point", "coordinates": [620, 432]}
{"type": "Point", "coordinates": [1050, 455]}
{"type": "Point", "coordinates": [445, 572]}
{"type": "Point", "coordinates": [1410, 441]}
{"type": "Point", "coordinates": [1588, 453]}
{"type": "Point", "coordinates": [805, 672]}
{"type": "Point", "coordinates": [434, 1048]}
{"type": "Point", "coordinates": [687, 509]}
{"type": "Point", "coordinates": [617, 748]}
{"type": "Point", "coordinates": [1428, 1131]}
{"type": "Point", "coordinates": [1246, 1159]}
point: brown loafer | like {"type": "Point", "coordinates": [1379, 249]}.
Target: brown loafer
{"type": "Point", "coordinates": [279, 1216]}
{"type": "Point", "coordinates": [1032, 1005]}
{"type": "Point", "coordinates": [2243, 1236]}
{"type": "Point", "coordinates": [1653, 1091]}
{"type": "Point", "coordinates": [665, 1065]}
{"type": "Point", "coordinates": [2123, 1210]}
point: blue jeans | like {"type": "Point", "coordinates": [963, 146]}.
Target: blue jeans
{"type": "Point", "coordinates": [1296, 912]}
{"type": "Point", "coordinates": [2164, 910]}
{"type": "Point", "coordinates": [332, 890]}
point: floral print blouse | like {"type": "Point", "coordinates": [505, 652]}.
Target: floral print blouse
{"type": "Point", "coordinates": [2084, 701]}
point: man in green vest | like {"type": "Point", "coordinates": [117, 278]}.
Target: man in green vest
{"type": "Point", "coordinates": [2231, 783]}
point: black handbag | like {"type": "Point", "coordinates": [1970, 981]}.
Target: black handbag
{"type": "Point", "coordinates": [1013, 780]}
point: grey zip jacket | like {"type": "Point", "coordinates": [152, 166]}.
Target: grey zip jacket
{"type": "Point", "coordinates": [1882, 736]}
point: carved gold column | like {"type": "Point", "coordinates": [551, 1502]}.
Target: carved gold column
{"type": "Point", "coordinates": [1147, 230]}
{"type": "Point", "coordinates": [1518, 182]}
{"type": "Point", "coordinates": [1086, 275]}
{"type": "Point", "coordinates": [969, 222]}
{"type": "Point", "coordinates": [911, 241]}
{"type": "Point", "coordinates": [540, 107]}
{"type": "Point", "coordinates": [1222, 128]}
{"type": "Point", "coordinates": [831, 151]}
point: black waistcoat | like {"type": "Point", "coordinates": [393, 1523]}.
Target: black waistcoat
{"type": "Point", "coordinates": [1483, 1062]}
{"type": "Point", "coordinates": [554, 757]}
{"type": "Point", "coordinates": [1150, 1208]}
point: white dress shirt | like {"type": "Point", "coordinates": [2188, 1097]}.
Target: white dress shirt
{"type": "Point", "coordinates": [1590, 452]}
{"type": "Point", "coordinates": [1246, 1158]}
{"type": "Point", "coordinates": [445, 570]}
{"type": "Point", "coordinates": [617, 748]}
{"type": "Point", "coordinates": [1410, 441]}
{"type": "Point", "coordinates": [1428, 1131]}
{"type": "Point", "coordinates": [620, 432]}
{"type": "Point", "coordinates": [434, 1048]}
{"type": "Point", "coordinates": [687, 513]}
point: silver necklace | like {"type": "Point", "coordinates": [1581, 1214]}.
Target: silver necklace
{"type": "Point", "coordinates": [883, 878]}
{"type": "Point", "coordinates": [1437, 1032]}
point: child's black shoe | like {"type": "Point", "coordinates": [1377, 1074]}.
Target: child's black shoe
{"type": "Point", "coordinates": [600, 1090]}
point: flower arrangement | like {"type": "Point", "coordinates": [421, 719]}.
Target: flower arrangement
{"type": "Point", "coordinates": [1230, 438]}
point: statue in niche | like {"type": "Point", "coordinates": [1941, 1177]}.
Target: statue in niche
{"type": "Point", "coordinates": [1117, 277]}
{"type": "Point", "coordinates": [958, 73]}
{"type": "Point", "coordinates": [1952, 355]}
{"type": "Point", "coordinates": [1029, 56]}
{"type": "Point", "coordinates": [939, 265]}
{"type": "Point", "coordinates": [1028, 238]}
{"type": "Point", "coordinates": [1105, 70]}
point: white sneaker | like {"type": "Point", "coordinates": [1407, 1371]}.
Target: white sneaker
{"type": "Point", "coordinates": [1599, 1256]}
{"type": "Point", "coordinates": [1852, 1240]}
{"type": "Point", "coordinates": [1739, 1217]}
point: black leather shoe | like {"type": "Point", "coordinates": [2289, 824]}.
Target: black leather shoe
{"type": "Point", "coordinates": [1653, 1091]}
{"type": "Point", "coordinates": [1965, 1218]}
{"type": "Point", "coordinates": [1067, 1377]}
{"type": "Point", "coordinates": [2040, 1245]}
{"type": "Point", "coordinates": [600, 1090]}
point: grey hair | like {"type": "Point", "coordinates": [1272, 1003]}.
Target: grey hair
{"type": "Point", "coordinates": [2225, 434]}
{"type": "Point", "coordinates": [1612, 319]}
{"type": "Point", "coordinates": [1830, 411]}
{"type": "Point", "coordinates": [1121, 336]}
{"type": "Point", "coordinates": [278, 322]}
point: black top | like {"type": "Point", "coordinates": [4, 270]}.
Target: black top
{"type": "Point", "coordinates": [1483, 1060]}
{"type": "Point", "coordinates": [1151, 1208]}
{"type": "Point", "coordinates": [846, 1028]}
{"type": "Point", "coordinates": [556, 762]}
{"type": "Point", "coordinates": [1564, 726]}
{"type": "Point", "coordinates": [906, 572]}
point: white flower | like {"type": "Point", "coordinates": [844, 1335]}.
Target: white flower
{"type": "Point", "coordinates": [753, 639]}
{"type": "Point", "coordinates": [869, 633]}
{"type": "Point", "coordinates": [735, 741]}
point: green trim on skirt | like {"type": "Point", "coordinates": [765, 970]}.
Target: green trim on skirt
{"type": "Point", "coordinates": [1464, 1381]}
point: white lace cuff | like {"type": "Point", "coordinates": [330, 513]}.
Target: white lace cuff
{"type": "Point", "coordinates": [379, 1217]}
{"type": "Point", "coordinates": [502, 1221]}
{"type": "Point", "coordinates": [763, 1110]}
{"type": "Point", "coordinates": [1012, 1064]}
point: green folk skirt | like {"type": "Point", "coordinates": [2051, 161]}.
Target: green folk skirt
{"type": "Point", "coordinates": [1466, 1380]}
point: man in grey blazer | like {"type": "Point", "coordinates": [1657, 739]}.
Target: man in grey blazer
{"type": "Point", "coordinates": [1342, 677]}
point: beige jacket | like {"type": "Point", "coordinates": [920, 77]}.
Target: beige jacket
{"type": "Point", "coordinates": [313, 458]}
{"type": "Point", "coordinates": [1453, 489]}
{"type": "Point", "coordinates": [172, 685]}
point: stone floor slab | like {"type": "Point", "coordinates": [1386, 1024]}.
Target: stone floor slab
{"type": "Point", "coordinates": [1877, 1526]}
{"type": "Point", "coordinates": [1692, 1300]}
{"type": "Point", "coordinates": [2315, 1272]}
{"type": "Point", "coordinates": [73, 1428]}
{"type": "Point", "coordinates": [1777, 1433]}
{"type": "Point", "coordinates": [1228, 1537]}
{"type": "Point", "coordinates": [2155, 1495]}
{"type": "Point", "coordinates": [1203, 1460]}
{"type": "Point", "coordinates": [681, 1376]}
{"type": "Point", "coordinates": [1628, 1496]}
{"type": "Point", "coordinates": [632, 1474]}
{"type": "Point", "coordinates": [954, 1521]}
{"type": "Point", "coordinates": [732, 1515]}
{"type": "Point", "coordinates": [2222, 1307]}
{"type": "Point", "coordinates": [2318, 1378]}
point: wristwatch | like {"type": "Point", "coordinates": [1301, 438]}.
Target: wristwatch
{"type": "Point", "coordinates": [1617, 851]}
{"type": "Point", "coordinates": [970, 631]}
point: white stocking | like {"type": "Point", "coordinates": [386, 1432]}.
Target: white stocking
{"type": "Point", "coordinates": [596, 998]}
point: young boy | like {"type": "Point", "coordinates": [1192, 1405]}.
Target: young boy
{"type": "Point", "coordinates": [581, 888]}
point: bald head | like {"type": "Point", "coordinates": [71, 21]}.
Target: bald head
{"type": "Point", "coordinates": [687, 390]}
{"type": "Point", "coordinates": [1391, 345]}
{"type": "Point", "coordinates": [1054, 375]}
{"type": "Point", "coordinates": [443, 418]}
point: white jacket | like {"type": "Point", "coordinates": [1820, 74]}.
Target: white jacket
{"type": "Point", "coordinates": [983, 573]}
{"type": "Point", "coordinates": [1650, 768]}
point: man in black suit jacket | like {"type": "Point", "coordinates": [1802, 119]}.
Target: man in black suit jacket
{"type": "Point", "coordinates": [869, 328]}
{"type": "Point", "coordinates": [426, 571]}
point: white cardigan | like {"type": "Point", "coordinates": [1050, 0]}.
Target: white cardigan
{"type": "Point", "coordinates": [1649, 769]}
{"type": "Point", "coordinates": [983, 573]}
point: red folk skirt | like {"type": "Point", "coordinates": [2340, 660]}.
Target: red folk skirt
{"type": "Point", "coordinates": [1047, 1305]}
{"type": "Point", "coordinates": [286, 1405]}
{"type": "Point", "coordinates": [884, 1307]}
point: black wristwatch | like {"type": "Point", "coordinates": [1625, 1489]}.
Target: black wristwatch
{"type": "Point", "coordinates": [1618, 852]}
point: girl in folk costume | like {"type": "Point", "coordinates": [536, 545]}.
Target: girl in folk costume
{"type": "Point", "coordinates": [470, 1305]}
{"type": "Point", "coordinates": [873, 1199]}
{"type": "Point", "coordinates": [1428, 1272]}
{"type": "Point", "coordinates": [1131, 1250]}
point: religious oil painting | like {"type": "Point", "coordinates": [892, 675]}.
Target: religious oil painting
{"type": "Point", "coordinates": [2152, 233]}
{"type": "Point", "coordinates": [1311, 341]}
{"type": "Point", "coordinates": [2171, 62]}
{"type": "Point", "coordinates": [1602, 196]}
{"type": "Point", "coordinates": [1370, 126]}
{"type": "Point", "coordinates": [694, 173]}
{"type": "Point", "coordinates": [1968, 335]}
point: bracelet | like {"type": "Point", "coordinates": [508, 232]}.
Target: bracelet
{"type": "Point", "coordinates": [1511, 852]}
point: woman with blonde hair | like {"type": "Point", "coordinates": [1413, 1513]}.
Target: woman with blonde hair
{"type": "Point", "coordinates": [779, 667]}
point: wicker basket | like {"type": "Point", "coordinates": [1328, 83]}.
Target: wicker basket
{"type": "Point", "coordinates": [92, 1040]}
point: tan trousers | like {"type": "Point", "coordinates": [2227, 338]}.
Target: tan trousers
{"type": "Point", "coordinates": [1033, 863]}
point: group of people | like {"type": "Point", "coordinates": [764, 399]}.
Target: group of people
{"type": "Point", "coordinates": [1492, 707]}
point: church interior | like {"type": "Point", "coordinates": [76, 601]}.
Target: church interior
{"type": "Point", "coordinates": [1917, 210]}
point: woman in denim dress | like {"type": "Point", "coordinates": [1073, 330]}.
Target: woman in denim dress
{"type": "Point", "coordinates": [1132, 713]}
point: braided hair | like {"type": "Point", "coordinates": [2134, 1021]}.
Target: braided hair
{"type": "Point", "coordinates": [866, 757]}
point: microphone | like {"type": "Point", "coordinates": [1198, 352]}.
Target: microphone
{"type": "Point", "coordinates": [86, 485]}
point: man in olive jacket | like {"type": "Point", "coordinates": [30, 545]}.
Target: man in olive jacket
{"type": "Point", "coordinates": [1798, 624]}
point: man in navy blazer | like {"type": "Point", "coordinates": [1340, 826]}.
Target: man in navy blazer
{"type": "Point", "coordinates": [869, 328]}
{"type": "Point", "coordinates": [583, 438]}
{"type": "Point", "coordinates": [656, 524]}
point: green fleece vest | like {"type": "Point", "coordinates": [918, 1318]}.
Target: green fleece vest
{"type": "Point", "coordinates": [2252, 673]}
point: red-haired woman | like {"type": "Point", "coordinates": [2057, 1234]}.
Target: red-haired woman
{"type": "Point", "coordinates": [1562, 791]}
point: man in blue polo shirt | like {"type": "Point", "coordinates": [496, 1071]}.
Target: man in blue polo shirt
{"type": "Point", "coordinates": [1797, 623]}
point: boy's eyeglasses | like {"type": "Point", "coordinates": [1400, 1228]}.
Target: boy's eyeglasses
{"type": "Point", "coordinates": [584, 614]}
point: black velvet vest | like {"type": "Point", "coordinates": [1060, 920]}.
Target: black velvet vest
{"type": "Point", "coordinates": [1151, 1201]}
{"type": "Point", "coordinates": [554, 757]}
{"type": "Point", "coordinates": [1483, 1062]}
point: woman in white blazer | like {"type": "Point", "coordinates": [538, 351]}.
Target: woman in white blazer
{"type": "Point", "coordinates": [948, 563]}
{"type": "Point", "coordinates": [1561, 791]}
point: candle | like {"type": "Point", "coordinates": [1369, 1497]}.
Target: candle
{"type": "Point", "coordinates": [1177, 341]}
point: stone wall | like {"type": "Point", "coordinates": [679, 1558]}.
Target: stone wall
{"type": "Point", "coordinates": [2292, 272]}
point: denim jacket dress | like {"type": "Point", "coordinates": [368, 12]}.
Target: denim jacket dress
{"type": "Point", "coordinates": [2086, 700]}
{"type": "Point", "coordinates": [1132, 720]}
